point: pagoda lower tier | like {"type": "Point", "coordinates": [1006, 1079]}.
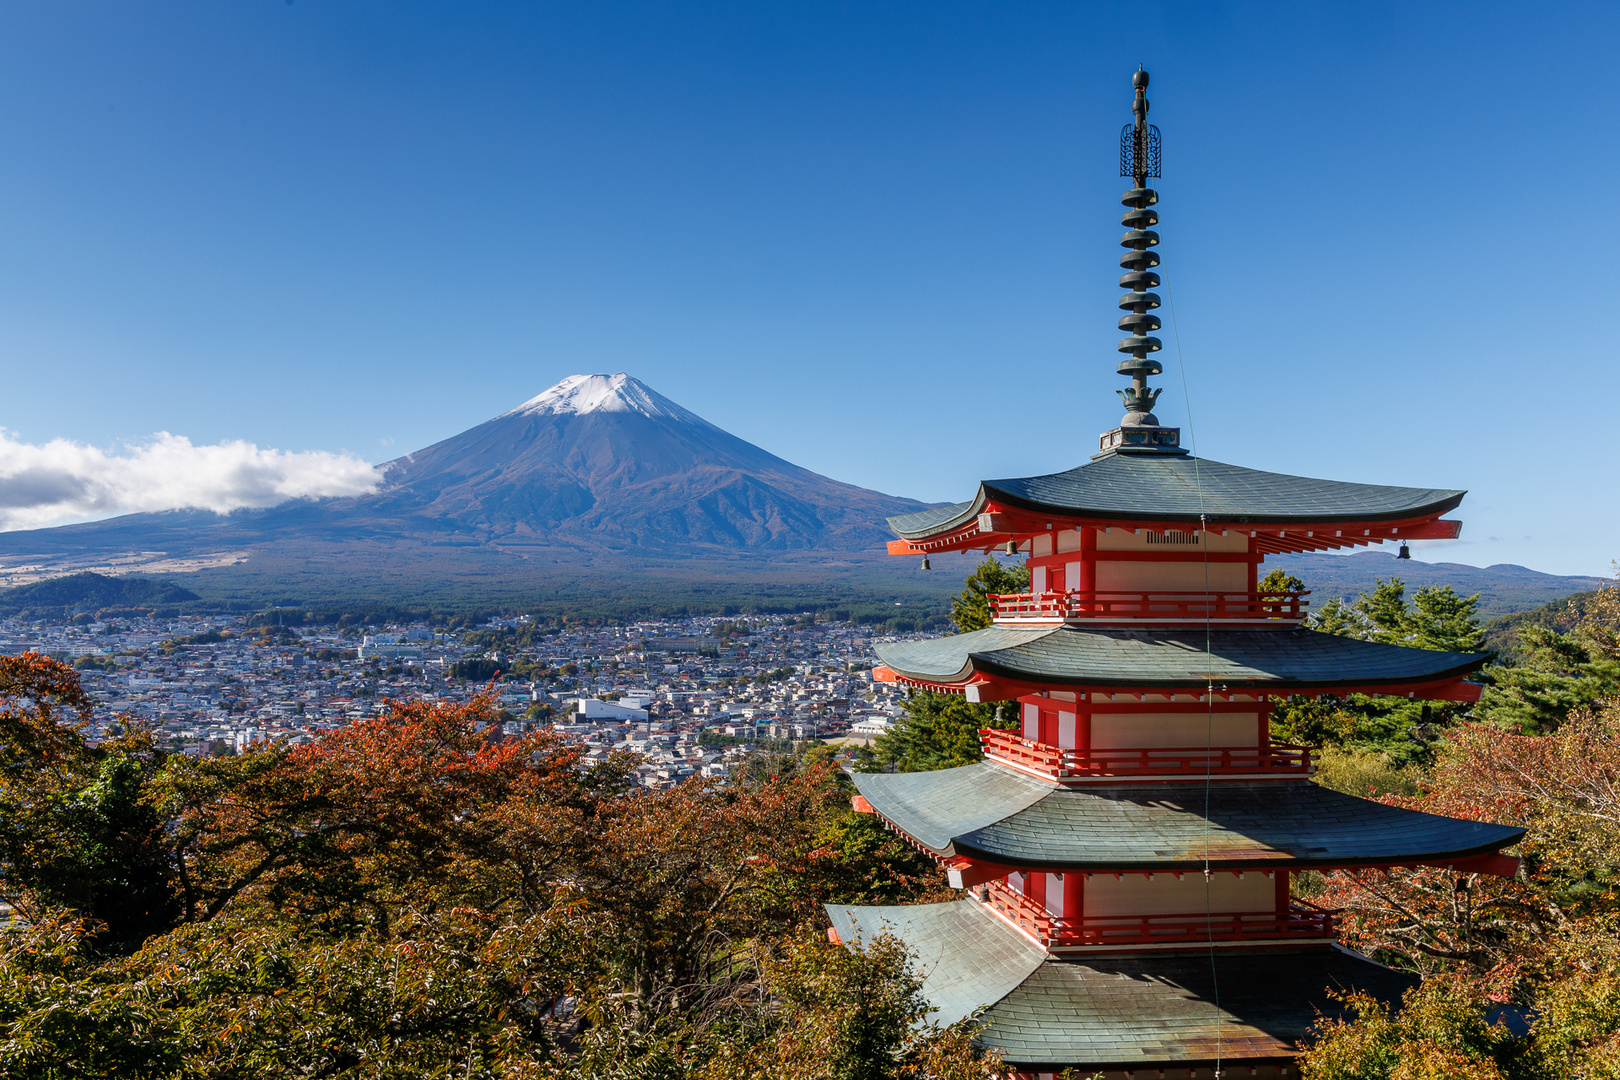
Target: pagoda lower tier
{"type": "Point", "coordinates": [1130, 926]}
{"type": "Point", "coordinates": [1122, 1014]}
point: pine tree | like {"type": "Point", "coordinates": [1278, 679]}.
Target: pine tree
{"type": "Point", "coordinates": [971, 610]}
{"type": "Point", "coordinates": [1440, 619]}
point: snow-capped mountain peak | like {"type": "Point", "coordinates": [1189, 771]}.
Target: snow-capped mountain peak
{"type": "Point", "coordinates": [579, 395]}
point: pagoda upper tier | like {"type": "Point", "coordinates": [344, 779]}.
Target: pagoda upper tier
{"type": "Point", "coordinates": [1120, 489]}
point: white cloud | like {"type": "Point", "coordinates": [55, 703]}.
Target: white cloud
{"type": "Point", "coordinates": [62, 480]}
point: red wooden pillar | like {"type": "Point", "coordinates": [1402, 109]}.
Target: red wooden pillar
{"type": "Point", "coordinates": [1074, 897]}
{"type": "Point", "coordinates": [1282, 894]}
{"type": "Point", "coordinates": [1088, 562]}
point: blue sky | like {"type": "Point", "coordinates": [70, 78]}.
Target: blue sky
{"type": "Point", "coordinates": [879, 240]}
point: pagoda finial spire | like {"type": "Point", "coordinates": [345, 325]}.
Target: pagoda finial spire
{"type": "Point", "coordinates": [1139, 429]}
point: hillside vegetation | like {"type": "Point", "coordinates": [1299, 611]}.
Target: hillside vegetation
{"type": "Point", "coordinates": [411, 897]}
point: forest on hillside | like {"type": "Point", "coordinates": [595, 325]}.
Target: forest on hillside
{"type": "Point", "coordinates": [411, 897]}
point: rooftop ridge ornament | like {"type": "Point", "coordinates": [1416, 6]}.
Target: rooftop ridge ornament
{"type": "Point", "coordinates": [1139, 430]}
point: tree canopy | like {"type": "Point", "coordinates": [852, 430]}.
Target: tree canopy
{"type": "Point", "coordinates": [971, 610]}
{"type": "Point", "coordinates": [414, 896]}
{"type": "Point", "coordinates": [1434, 618]}
{"type": "Point", "coordinates": [1542, 949]}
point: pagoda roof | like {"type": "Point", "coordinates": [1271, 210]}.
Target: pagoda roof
{"type": "Point", "coordinates": [1139, 487]}
{"type": "Point", "coordinates": [1118, 1010]}
{"type": "Point", "coordinates": [996, 814]}
{"type": "Point", "coordinates": [968, 958]}
{"type": "Point", "coordinates": [1276, 661]}
{"type": "Point", "coordinates": [1282, 513]}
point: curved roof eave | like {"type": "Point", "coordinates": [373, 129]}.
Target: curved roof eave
{"type": "Point", "coordinates": [1197, 861]}
{"type": "Point", "coordinates": [940, 519]}
{"type": "Point", "coordinates": [1450, 501]}
{"type": "Point", "coordinates": [1137, 488]}
{"type": "Point", "coordinates": [1276, 660]}
{"type": "Point", "coordinates": [990, 812]}
{"type": "Point", "coordinates": [1193, 680]}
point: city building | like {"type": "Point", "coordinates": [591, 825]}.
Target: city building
{"type": "Point", "coordinates": [388, 648]}
{"type": "Point", "coordinates": [1128, 857]}
{"type": "Point", "coordinates": [593, 709]}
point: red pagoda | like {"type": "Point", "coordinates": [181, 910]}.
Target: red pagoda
{"type": "Point", "coordinates": [1126, 856]}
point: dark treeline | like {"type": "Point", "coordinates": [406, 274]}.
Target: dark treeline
{"type": "Point", "coordinates": [881, 616]}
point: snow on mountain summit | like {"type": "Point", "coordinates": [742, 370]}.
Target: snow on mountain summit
{"type": "Point", "coordinates": [579, 395]}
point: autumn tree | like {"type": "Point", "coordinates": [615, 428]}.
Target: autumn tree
{"type": "Point", "coordinates": [419, 809]}
{"type": "Point", "coordinates": [850, 1014]}
{"type": "Point", "coordinates": [1454, 1027]}
{"type": "Point", "coordinates": [1560, 788]}
{"type": "Point", "coordinates": [1441, 1031]}
{"type": "Point", "coordinates": [1544, 754]}
{"type": "Point", "coordinates": [412, 895]}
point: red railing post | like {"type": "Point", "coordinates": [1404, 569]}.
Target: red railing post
{"type": "Point", "coordinates": [1144, 761]}
{"type": "Point", "coordinates": [1078, 604]}
{"type": "Point", "coordinates": [1300, 920]}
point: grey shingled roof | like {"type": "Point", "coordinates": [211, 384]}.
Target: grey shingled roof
{"type": "Point", "coordinates": [1278, 659]}
{"type": "Point", "coordinates": [1156, 488]}
{"type": "Point", "coordinates": [1116, 1010]}
{"type": "Point", "coordinates": [968, 958]}
{"type": "Point", "coordinates": [991, 812]}
{"type": "Point", "coordinates": [1154, 1009]}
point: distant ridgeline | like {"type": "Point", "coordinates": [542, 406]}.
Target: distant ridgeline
{"type": "Point", "coordinates": [92, 592]}
{"type": "Point", "coordinates": [1503, 589]}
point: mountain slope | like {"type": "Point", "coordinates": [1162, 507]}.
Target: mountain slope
{"type": "Point", "coordinates": [607, 460]}
{"type": "Point", "coordinates": [597, 463]}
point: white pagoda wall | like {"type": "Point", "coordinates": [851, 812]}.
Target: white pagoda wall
{"type": "Point", "coordinates": [1190, 894]}
{"type": "Point", "coordinates": [1171, 577]}
{"type": "Point", "coordinates": [1115, 731]}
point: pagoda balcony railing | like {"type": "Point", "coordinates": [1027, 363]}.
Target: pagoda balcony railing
{"type": "Point", "coordinates": [1054, 761]}
{"type": "Point", "coordinates": [1300, 921]}
{"type": "Point", "coordinates": [1079, 606]}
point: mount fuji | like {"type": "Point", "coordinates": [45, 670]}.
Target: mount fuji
{"type": "Point", "coordinates": [605, 459]}
{"type": "Point", "coordinates": [598, 470]}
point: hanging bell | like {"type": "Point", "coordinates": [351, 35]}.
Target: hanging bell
{"type": "Point", "coordinates": [1405, 552]}
{"type": "Point", "coordinates": [1012, 547]}
{"type": "Point", "coordinates": [925, 565]}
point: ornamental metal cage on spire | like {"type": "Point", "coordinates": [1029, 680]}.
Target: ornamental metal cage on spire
{"type": "Point", "coordinates": [1139, 156]}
